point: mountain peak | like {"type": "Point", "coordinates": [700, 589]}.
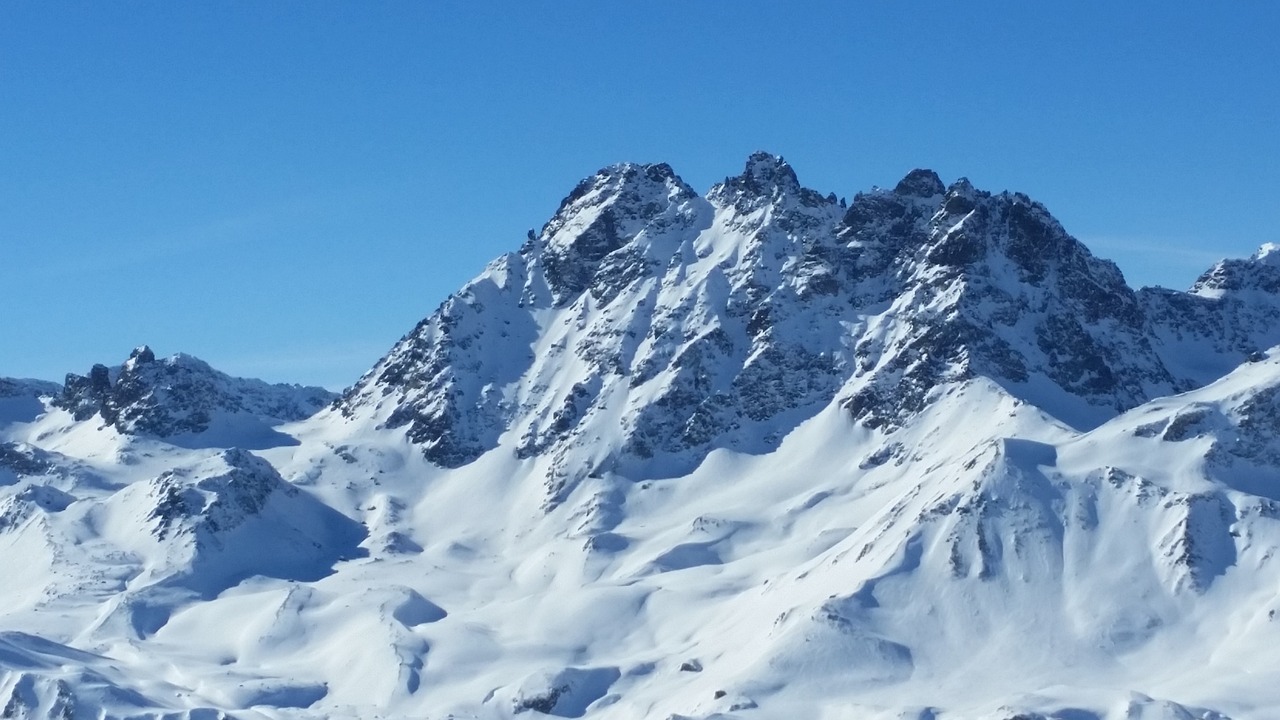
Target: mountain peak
{"type": "Point", "coordinates": [621, 181]}
{"type": "Point", "coordinates": [603, 213]}
{"type": "Point", "coordinates": [141, 355]}
{"type": "Point", "coordinates": [766, 179]}
{"type": "Point", "coordinates": [1260, 272]}
{"type": "Point", "coordinates": [920, 183]}
{"type": "Point", "coordinates": [765, 172]}
{"type": "Point", "coordinates": [1268, 254]}
{"type": "Point", "coordinates": [179, 394]}
{"type": "Point", "coordinates": [764, 176]}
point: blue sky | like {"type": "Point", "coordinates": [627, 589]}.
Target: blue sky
{"type": "Point", "coordinates": [285, 188]}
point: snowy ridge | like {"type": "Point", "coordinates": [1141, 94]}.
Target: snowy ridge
{"type": "Point", "coordinates": [747, 455]}
{"type": "Point", "coordinates": [182, 396]}
{"type": "Point", "coordinates": [14, 387]}
{"type": "Point", "coordinates": [723, 322]}
{"type": "Point", "coordinates": [1227, 317]}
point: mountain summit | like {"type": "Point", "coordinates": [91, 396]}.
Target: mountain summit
{"type": "Point", "coordinates": [181, 395]}
{"type": "Point", "coordinates": [724, 321]}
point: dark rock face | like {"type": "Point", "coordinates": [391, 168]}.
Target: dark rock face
{"type": "Point", "coordinates": [179, 395]}
{"type": "Point", "coordinates": [216, 504]}
{"type": "Point", "coordinates": [996, 288]}
{"type": "Point", "coordinates": [85, 396]}
{"type": "Point", "coordinates": [441, 377]}
{"type": "Point", "coordinates": [726, 321]}
{"type": "Point", "coordinates": [920, 183]}
{"type": "Point", "coordinates": [601, 215]}
{"type": "Point", "coordinates": [24, 460]}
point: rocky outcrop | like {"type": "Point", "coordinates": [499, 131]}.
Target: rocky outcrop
{"type": "Point", "coordinates": [179, 395]}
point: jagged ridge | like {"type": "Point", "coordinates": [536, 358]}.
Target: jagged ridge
{"type": "Point", "coordinates": [178, 395]}
{"type": "Point", "coordinates": [723, 321]}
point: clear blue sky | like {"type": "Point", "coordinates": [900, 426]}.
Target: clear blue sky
{"type": "Point", "coordinates": [285, 188]}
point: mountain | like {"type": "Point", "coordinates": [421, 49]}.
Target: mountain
{"type": "Point", "coordinates": [695, 324]}
{"type": "Point", "coordinates": [20, 400]}
{"type": "Point", "coordinates": [183, 397]}
{"type": "Point", "coordinates": [1228, 315]}
{"type": "Point", "coordinates": [753, 453]}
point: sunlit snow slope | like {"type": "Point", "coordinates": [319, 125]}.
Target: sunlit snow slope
{"type": "Point", "coordinates": [758, 453]}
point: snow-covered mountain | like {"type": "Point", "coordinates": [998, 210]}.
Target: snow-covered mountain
{"type": "Point", "coordinates": [183, 399]}
{"type": "Point", "coordinates": [757, 453]}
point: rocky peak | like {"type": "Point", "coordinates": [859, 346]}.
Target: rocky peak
{"type": "Point", "coordinates": [962, 197]}
{"type": "Point", "coordinates": [1261, 272]}
{"type": "Point", "coordinates": [992, 285]}
{"type": "Point", "coordinates": [628, 192]}
{"type": "Point", "coordinates": [920, 183]}
{"type": "Point", "coordinates": [603, 213]}
{"type": "Point", "coordinates": [177, 395]}
{"type": "Point", "coordinates": [141, 355]}
{"type": "Point", "coordinates": [766, 180]}
{"type": "Point", "coordinates": [723, 323]}
{"type": "Point", "coordinates": [766, 174]}
{"type": "Point", "coordinates": [1228, 316]}
{"type": "Point", "coordinates": [84, 395]}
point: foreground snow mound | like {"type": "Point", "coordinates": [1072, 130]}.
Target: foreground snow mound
{"type": "Point", "coordinates": [182, 399]}
{"type": "Point", "coordinates": [42, 680]}
{"type": "Point", "coordinates": [208, 526]}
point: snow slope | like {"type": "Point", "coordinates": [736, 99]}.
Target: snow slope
{"type": "Point", "coordinates": [753, 454]}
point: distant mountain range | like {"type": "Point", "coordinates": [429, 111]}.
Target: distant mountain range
{"type": "Point", "coordinates": [758, 453]}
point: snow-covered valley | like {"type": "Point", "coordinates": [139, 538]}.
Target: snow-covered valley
{"type": "Point", "coordinates": [755, 454]}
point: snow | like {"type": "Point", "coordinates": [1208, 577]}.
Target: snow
{"type": "Point", "coordinates": [654, 495]}
{"type": "Point", "coordinates": [1268, 253]}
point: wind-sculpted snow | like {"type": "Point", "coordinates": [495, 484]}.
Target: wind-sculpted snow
{"type": "Point", "coordinates": [755, 454]}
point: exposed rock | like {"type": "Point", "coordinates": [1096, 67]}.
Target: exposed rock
{"type": "Point", "coordinates": [726, 321]}
{"type": "Point", "coordinates": [179, 395]}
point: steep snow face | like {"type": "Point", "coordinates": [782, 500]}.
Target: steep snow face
{"type": "Point", "coordinates": [183, 396]}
